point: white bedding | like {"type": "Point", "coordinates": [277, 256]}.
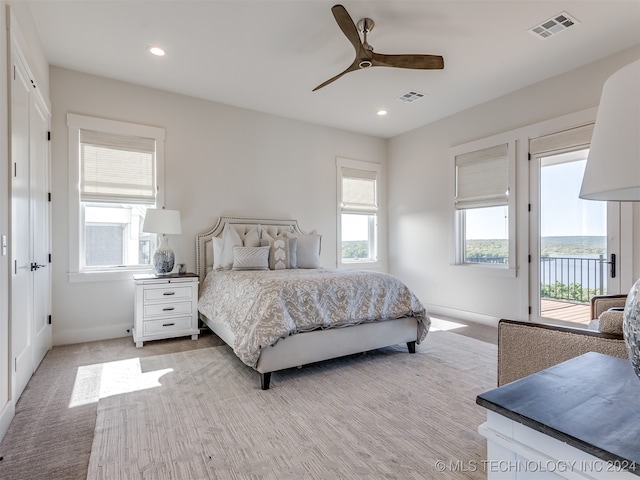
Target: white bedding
{"type": "Point", "coordinates": [261, 307]}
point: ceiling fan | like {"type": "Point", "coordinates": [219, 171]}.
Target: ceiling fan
{"type": "Point", "coordinates": [366, 57]}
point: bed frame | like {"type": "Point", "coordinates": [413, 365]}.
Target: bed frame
{"type": "Point", "coordinates": [307, 347]}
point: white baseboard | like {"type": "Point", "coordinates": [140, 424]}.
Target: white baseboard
{"type": "Point", "coordinates": [6, 415]}
{"type": "Point", "coordinates": [68, 337]}
{"type": "Point", "coordinates": [452, 313]}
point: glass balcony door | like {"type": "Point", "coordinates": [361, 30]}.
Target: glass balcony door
{"type": "Point", "coordinates": [572, 241]}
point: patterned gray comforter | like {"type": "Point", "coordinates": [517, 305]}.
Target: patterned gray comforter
{"type": "Point", "coordinates": [262, 307]}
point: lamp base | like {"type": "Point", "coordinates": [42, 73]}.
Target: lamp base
{"type": "Point", "coordinates": [631, 326]}
{"type": "Point", "coordinates": [163, 257]}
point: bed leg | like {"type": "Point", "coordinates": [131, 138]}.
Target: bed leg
{"type": "Point", "coordinates": [265, 378]}
{"type": "Point", "coordinates": [411, 346]}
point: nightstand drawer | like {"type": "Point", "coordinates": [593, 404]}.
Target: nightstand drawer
{"type": "Point", "coordinates": [167, 309]}
{"type": "Point", "coordinates": [164, 326]}
{"type": "Point", "coordinates": [168, 292]}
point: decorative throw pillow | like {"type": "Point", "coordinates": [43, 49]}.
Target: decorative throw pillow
{"type": "Point", "coordinates": [307, 250]}
{"type": "Point", "coordinates": [230, 239]}
{"type": "Point", "coordinates": [250, 258]}
{"type": "Point", "coordinates": [280, 251]}
{"type": "Point", "coordinates": [611, 322]}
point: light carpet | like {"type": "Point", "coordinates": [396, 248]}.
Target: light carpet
{"type": "Point", "coordinates": [386, 414]}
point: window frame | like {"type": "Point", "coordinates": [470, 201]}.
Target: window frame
{"type": "Point", "coordinates": [374, 227]}
{"type": "Point", "coordinates": [77, 272]}
{"type": "Point", "coordinates": [458, 230]}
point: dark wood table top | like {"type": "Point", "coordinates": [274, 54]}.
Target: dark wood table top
{"type": "Point", "coordinates": [591, 402]}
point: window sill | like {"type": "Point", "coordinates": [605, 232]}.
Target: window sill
{"type": "Point", "coordinates": [106, 275]}
{"type": "Point", "coordinates": [360, 266]}
{"type": "Point", "coordinates": [495, 270]}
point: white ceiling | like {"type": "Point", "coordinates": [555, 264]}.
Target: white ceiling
{"type": "Point", "coordinates": [268, 55]}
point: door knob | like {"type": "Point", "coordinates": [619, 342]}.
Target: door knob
{"type": "Point", "coordinates": [35, 266]}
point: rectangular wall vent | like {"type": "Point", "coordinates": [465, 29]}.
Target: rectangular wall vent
{"type": "Point", "coordinates": [410, 97]}
{"type": "Point", "coordinates": [556, 24]}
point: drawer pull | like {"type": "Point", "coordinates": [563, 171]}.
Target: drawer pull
{"type": "Point", "coordinates": [169, 293]}
{"type": "Point", "coordinates": [168, 309]}
{"type": "Point", "coordinates": [168, 324]}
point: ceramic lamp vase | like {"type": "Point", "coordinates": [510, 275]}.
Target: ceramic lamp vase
{"type": "Point", "coordinates": [163, 257]}
{"type": "Point", "coordinates": [631, 326]}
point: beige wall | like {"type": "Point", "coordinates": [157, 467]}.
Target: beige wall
{"type": "Point", "coordinates": [421, 191]}
{"type": "Point", "coordinates": [220, 160]}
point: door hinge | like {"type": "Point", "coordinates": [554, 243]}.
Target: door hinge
{"type": "Point", "coordinates": [15, 364]}
{"type": "Point", "coordinates": [49, 196]}
{"type": "Point", "coordinates": [15, 267]}
{"type": "Point", "coordinates": [529, 259]}
{"type": "Point", "coordinates": [49, 258]}
{"type": "Point", "coordinates": [529, 156]}
{"type": "Point", "coordinates": [529, 207]}
{"type": "Point", "coordinates": [529, 310]}
{"type": "Point", "coordinates": [15, 169]}
{"type": "Point", "coordinates": [49, 136]}
{"type": "Point", "coordinates": [49, 319]}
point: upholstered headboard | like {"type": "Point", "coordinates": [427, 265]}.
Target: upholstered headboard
{"type": "Point", "coordinates": [204, 241]}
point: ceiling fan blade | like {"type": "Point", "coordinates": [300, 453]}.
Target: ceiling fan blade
{"type": "Point", "coordinates": [345, 22]}
{"type": "Point", "coordinates": [434, 62]}
{"type": "Point", "coordinates": [352, 67]}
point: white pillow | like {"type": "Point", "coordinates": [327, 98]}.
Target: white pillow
{"type": "Point", "coordinates": [217, 252]}
{"type": "Point", "coordinates": [252, 238]}
{"type": "Point", "coordinates": [307, 250]}
{"type": "Point", "coordinates": [230, 238]}
{"type": "Point", "coordinates": [250, 258]}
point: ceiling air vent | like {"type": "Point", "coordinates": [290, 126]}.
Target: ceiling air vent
{"type": "Point", "coordinates": [410, 97]}
{"type": "Point", "coordinates": [554, 25]}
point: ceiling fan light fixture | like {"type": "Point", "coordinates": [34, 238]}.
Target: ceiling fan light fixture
{"type": "Point", "coordinates": [365, 64]}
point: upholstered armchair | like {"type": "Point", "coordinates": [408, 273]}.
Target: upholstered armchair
{"type": "Point", "coordinates": [525, 348]}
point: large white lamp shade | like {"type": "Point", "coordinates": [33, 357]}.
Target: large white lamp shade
{"type": "Point", "coordinates": [613, 165]}
{"type": "Point", "coordinates": [613, 171]}
{"type": "Point", "coordinates": [164, 222]}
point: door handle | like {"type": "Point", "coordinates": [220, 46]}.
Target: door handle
{"type": "Point", "coordinates": [35, 266]}
{"type": "Point", "coordinates": [613, 265]}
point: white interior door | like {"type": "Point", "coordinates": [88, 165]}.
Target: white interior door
{"type": "Point", "coordinates": [30, 232]}
{"type": "Point", "coordinates": [21, 278]}
{"type": "Point", "coordinates": [40, 237]}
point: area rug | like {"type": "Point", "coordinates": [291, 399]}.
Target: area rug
{"type": "Point", "coordinates": [385, 414]}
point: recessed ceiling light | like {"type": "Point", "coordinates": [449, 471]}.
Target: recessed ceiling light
{"type": "Point", "coordinates": [157, 51]}
{"type": "Point", "coordinates": [382, 113]}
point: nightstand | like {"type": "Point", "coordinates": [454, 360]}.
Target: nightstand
{"type": "Point", "coordinates": [166, 306]}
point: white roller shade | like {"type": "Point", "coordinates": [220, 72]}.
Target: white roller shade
{"type": "Point", "coordinates": [570, 139]}
{"type": "Point", "coordinates": [359, 190]}
{"type": "Point", "coordinates": [482, 178]}
{"type": "Point", "coordinates": [117, 168]}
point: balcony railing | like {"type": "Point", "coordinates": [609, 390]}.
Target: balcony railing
{"type": "Point", "coordinates": [573, 279]}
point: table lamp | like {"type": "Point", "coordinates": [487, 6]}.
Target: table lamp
{"type": "Point", "coordinates": [613, 171]}
{"type": "Point", "coordinates": [163, 222]}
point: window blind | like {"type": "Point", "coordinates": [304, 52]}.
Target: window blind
{"type": "Point", "coordinates": [482, 178]}
{"type": "Point", "coordinates": [359, 190]}
{"type": "Point", "coordinates": [571, 139]}
{"type": "Point", "coordinates": [117, 168]}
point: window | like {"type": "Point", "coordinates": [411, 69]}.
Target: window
{"type": "Point", "coordinates": [358, 212]}
{"type": "Point", "coordinates": [116, 168]}
{"type": "Point", "coordinates": [482, 206]}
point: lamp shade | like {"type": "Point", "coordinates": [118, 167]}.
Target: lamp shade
{"type": "Point", "coordinates": [162, 221]}
{"type": "Point", "coordinates": [613, 166]}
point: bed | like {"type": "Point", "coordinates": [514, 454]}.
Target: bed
{"type": "Point", "coordinates": [281, 317]}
